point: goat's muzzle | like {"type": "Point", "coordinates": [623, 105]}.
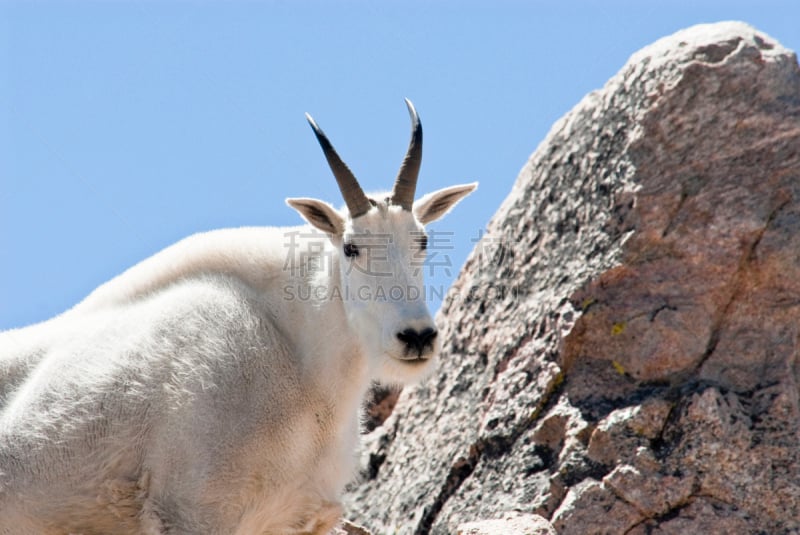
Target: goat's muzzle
{"type": "Point", "coordinates": [417, 342]}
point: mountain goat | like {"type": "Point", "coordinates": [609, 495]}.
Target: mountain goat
{"type": "Point", "coordinates": [214, 388]}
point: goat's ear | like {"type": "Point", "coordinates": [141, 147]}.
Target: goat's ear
{"type": "Point", "coordinates": [320, 214]}
{"type": "Point", "coordinates": [435, 205]}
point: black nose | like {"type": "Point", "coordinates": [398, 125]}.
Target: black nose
{"type": "Point", "coordinates": [416, 341]}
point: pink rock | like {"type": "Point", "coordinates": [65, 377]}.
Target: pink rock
{"type": "Point", "coordinates": [639, 372]}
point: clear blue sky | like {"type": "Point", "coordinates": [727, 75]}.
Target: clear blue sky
{"type": "Point", "coordinates": [125, 126]}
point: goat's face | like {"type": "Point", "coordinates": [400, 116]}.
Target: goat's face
{"type": "Point", "coordinates": [381, 245]}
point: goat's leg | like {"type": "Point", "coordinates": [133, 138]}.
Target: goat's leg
{"type": "Point", "coordinates": [325, 519]}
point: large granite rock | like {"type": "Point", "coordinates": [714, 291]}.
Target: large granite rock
{"type": "Point", "coordinates": [623, 346]}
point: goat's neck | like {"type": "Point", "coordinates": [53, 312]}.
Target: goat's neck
{"type": "Point", "coordinates": [313, 300]}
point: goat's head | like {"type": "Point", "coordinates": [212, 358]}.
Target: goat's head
{"type": "Point", "coordinates": [381, 243]}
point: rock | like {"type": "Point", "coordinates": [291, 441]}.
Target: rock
{"type": "Point", "coordinates": [346, 527]}
{"type": "Point", "coordinates": [591, 507]}
{"type": "Point", "coordinates": [379, 405]}
{"type": "Point", "coordinates": [509, 524]}
{"type": "Point", "coordinates": [621, 348]}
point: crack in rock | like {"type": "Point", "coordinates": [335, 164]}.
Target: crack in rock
{"type": "Point", "coordinates": [738, 284]}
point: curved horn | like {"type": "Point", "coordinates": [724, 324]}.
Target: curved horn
{"type": "Point", "coordinates": [357, 202]}
{"type": "Point", "coordinates": [406, 183]}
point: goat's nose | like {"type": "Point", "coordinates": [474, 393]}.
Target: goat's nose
{"type": "Point", "coordinates": [416, 341]}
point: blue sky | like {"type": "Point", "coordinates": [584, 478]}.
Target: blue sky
{"type": "Point", "coordinates": [125, 126]}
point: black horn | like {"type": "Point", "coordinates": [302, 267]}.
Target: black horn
{"type": "Point", "coordinates": [406, 183]}
{"type": "Point", "coordinates": [357, 202]}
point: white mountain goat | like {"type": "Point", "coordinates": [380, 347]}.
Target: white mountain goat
{"type": "Point", "coordinates": [214, 388]}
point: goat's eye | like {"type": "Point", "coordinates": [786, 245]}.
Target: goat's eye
{"type": "Point", "coordinates": [350, 250]}
{"type": "Point", "coordinates": [423, 242]}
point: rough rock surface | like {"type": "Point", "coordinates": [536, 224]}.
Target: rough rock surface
{"type": "Point", "coordinates": [509, 524]}
{"type": "Point", "coordinates": [622, 346]}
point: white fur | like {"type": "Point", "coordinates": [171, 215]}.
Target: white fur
{"type": "Point", "coordinates": [202, 391]}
